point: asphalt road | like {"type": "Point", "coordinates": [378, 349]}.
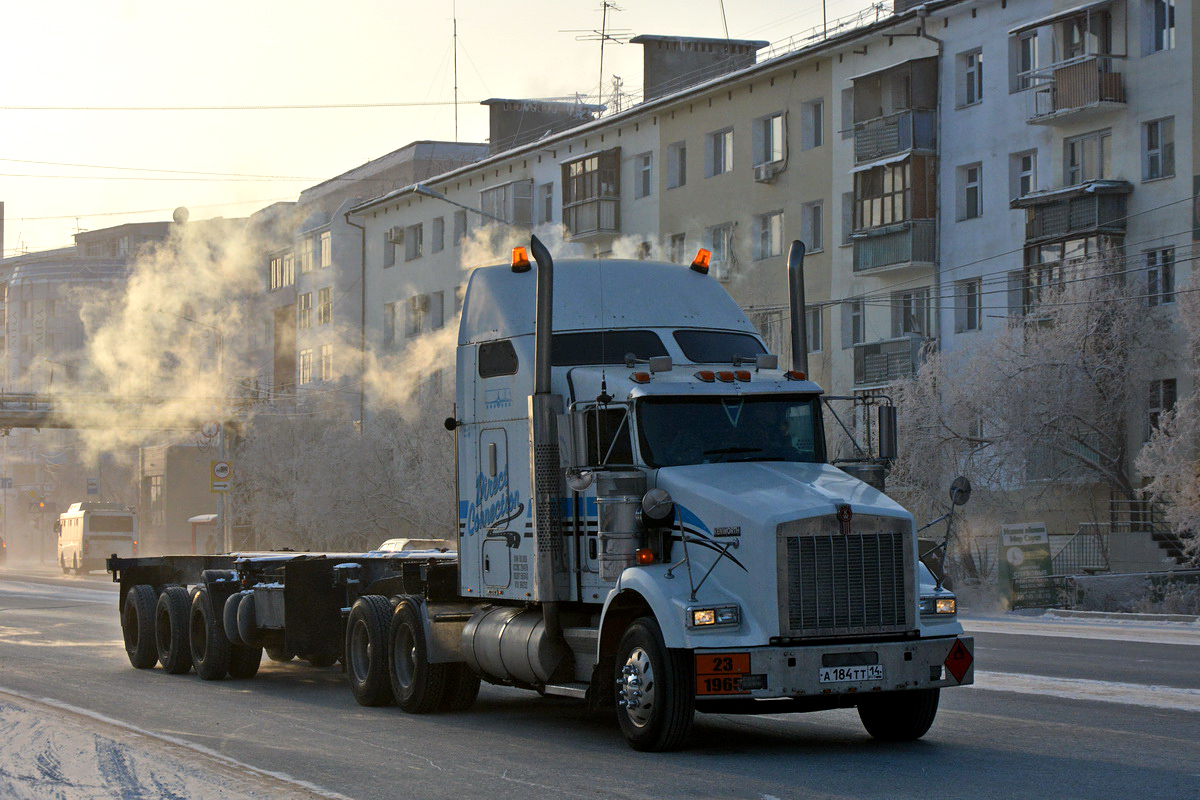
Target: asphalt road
{"type": "Point", "coordinates": [1062, 709]}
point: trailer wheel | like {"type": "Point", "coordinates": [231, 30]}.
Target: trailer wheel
{"type": "Point", "coordinates": [229, 618]}
{"type": "Point", "coordinates": [419, 687]}
{"type": "Point", "coordinates": [366, 650]}
{"type": "Point", "coordinates": [247, 621]}
{"type": "Point", "coordinates": [655, 703]}
{"type": "Point", "coordinates": [899, 716]}
{"type": "Point", "coordinates": [244, 661]}
{"type": "Point", "coordinates": [137, 625]}
{"type": "Point", "coordinates": [171, 630]}
{"type": "Point", "coordinates": [62, 562]}
{"type": "Point", "coordinates": [210, 647]}
{"type": "Point", "coordinates": [462, 687]}
{"type": "Point", "coordinates": [280, 654]}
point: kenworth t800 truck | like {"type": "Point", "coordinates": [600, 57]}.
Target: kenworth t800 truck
{"type": "Point", "coordinates": [648, 520]}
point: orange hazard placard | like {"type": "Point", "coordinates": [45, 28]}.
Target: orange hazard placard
{"type": "Point", "coordinates": [721, 673]}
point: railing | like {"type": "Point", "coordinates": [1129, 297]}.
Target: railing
{"type": "Point", "coordinates": [895, 133]}
{"type": "Point", "coordinates": [1083, 553]}
{"type": "Point", "coordinates": [1083, 82]}
{"type": "Point", "coordinates": [907, 243]}
{"type": "Point", "coordinates": [1088, 213]}
{"type": "Point", "coordinates": [592, 216]}
{"type": "Point", "coordinates": [886, 361]}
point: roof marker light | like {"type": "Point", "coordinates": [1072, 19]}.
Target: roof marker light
{"type": "Point", "coordinates": [701, 261]}
{"type": "Point", "coordinates": [795, 375]}
{"type": "Point", "coordinates": [706, 375]}
{"type": "Point", "coordinates": [640, 377]}
{"type": "Point", "coordinates": [520, 259]}
{"type": "Point", "coordinates": [742, 374]}
{"type": "Point", "coordinates": [725, 376]}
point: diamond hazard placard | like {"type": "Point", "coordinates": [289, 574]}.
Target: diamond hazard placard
{"type": "Point", "coordinates": [959, 660]}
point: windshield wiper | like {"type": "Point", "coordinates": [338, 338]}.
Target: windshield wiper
{"type": "Point", "coordinates": [726, 450]}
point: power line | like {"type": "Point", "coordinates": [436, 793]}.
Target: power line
{"type": "Point", "coordinates": [151, 169]}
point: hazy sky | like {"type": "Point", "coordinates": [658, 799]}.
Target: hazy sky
{"type": "Point", "coordinates": [64, 167]}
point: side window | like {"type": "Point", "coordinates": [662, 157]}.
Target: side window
{"type": "Point", "coordinates": [608, 436]}
{"type": "Point", "coordinates": [497, 358]}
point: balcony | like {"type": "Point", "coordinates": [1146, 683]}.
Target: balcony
{"type": "Point", "coordinates": [598, 216]}
{"type": "Point", "coordinates": [1074, 90]}
{"type": "Point", "coordinates": [882, 362]}
{"type": "Point", "coordinates": [1092, 207]}
{"type": "Point", "coordinates": [895, 133]}
{"type": "Point", "coordinates": [906, 245]}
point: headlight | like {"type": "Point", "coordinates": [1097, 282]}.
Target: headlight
{"type": "Point", "coordinates": [939, 606]}
{"type": "Point", "coordinates": [705, 617]}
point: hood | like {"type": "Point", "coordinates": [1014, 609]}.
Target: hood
{"type": "Point", "coordinates": [763, 493]}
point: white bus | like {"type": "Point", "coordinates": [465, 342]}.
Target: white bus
{"type": "Point", "coordinates": [90, 532]}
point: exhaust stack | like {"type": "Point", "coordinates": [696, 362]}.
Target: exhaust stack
{"type": "Point", "coordinates": [796, 293]}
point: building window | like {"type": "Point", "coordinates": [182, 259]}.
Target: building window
{"type": "Point", "coordinates": [968, 304]}
{"type": "Point", "coordinates": [1160, 276]}
{"type": "Point", "coordinates": [812, 223]}
{"type": "Point", "coordinates": [885, 195]}
{"type": "Point", "coordinates": [1161, 400]}
{"type": "Point", "coordinates": [853, 323]}
{"type": "Point", "coordinates": [304, 311]}
{"type": "Point", "coordinates": [460, 226]}
{"type": "Point", "coordinates": [1022, 173]}
{"type": "Point", "coordinates": [768, 139]}
{"type": "Point", "coordinates": [276, 273]}
{"type": "Point", "coordinates": [418, 315]}
{"type": "Point", "coordinates": [812, 322]}
{"type": "Point", "coordinates": [306, 254]}
{"type": "Point", "coordinates": [389, 246]}
{"type": "Point", "coordinates": [812, 124]}
{"type": "Point", "coordinates": [678, 247]}
{"type": "Point", "coordinates": [720, 242]}
{"type": "Point", "coordinates": [970, 195]}
{"type": "Point", "coordinates": [390, 318]}
{"type": "Point", "coordinates": [325, 305]}
{"type": "Point", "coordinates": [1159, 25]}
{"type": "Point", "coordinates": [1025, 61]}
{"type": "Point", "coordinates": [305, 367]}
{"type": "Point", "coordinates": [718, 153]}
{"type": "Point", "coordinates": [768, 235]}
{"type": "Point", "coordinates": [591, 192]}
{"type": "Point", "coordinates": [676, 165]}
{"type": "Point", "coordinates": [414, 245]}
{"type": "Point", "coordinates": [910, 313]}
{"type": "Point", "coordinates": [157, 507]}
{"type": "Point", "coordinates": [970, 70]}
{"type": "Point", "coordinates": [326, 249]}
{"type": "Point", "coordinates": [1087, 157]}
{"type": "Point", "coordinates": [546, 203]}
{"type": "Point", "coordinates": [437, 310]}
{"type": "Point", "coordinates": [437, 235]}
{"type": "Point", "coordinates": [645, 175]}
{"type": "Point", "coordinates": [326, 362]}
{"type": "Point", "coordinates": [511, 202]}
{"type": "Point", "coordinates": [1158, 149]}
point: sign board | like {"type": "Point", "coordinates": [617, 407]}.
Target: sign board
{"type": "Point", "coordinates": [93, 486]}
{"type": "Point", "coordinates": [1025, 564]}
{"type": "Point", "coordinates": [220, 475]}
{"type": "Point", "coordinates": [210, 429]}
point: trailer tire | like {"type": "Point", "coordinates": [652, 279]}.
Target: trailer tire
{"type": "Point", "coordinates": [210, 647]}
{"type": "Point", "coordinates": [899, 716]}
{"type": "Point", "coordinates": [655, 700]}
{"type": "Point", "coordinates": [280, 654]}
{"type": "Point", "coordinates": [247, 622]}
{"type": "Point", "coordinates": [244, 661]}
{"type": "Point", "coordinates": [137, 626]}
{"type": "Point", "coordinates": [419, 687]}
{"type": "Point", "coordinates": [366, 655]}
{"type": "Point", "coordinates": [462, 687]}
{"type": "Point", "coordinates": [62, 562]}
{"type": "Point", "coordinates": [229, 618]}
{"type": "Point", "coordinates": [171, 630]}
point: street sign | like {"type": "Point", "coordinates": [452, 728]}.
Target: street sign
{"type": "Point", "coordinates": [210, 429]}
{"type": "Point", "coordinates": [1025, 564]}
{"type": "Point", "coordinates": [93, 486]}
{"type": "Point", "coordinates": [220, 476]}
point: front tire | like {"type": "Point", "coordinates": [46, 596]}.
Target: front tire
{"type": "Point", "coordinates": [366, 656]}
{"type": "Point", "coordinates": [655, 699]}
{"type": "Point", "coordinates": [171, 630]}
{"type": "Point", "coordinates": [899, 716]}
{"type": "Point", "coordinates": [137, 626]}
{"type": "Point", "coordinates": [418, 686]}
{"type": "Point", "coordinates": [210, 647]}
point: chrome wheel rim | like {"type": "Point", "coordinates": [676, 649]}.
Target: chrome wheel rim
{"type": "Point", "coordinates": [635, 687]}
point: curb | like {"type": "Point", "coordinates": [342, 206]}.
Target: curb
{"type": "Point", "coordinates": [1067, 612]}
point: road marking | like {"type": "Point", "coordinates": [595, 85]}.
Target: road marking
{"type": "Point", "coordinates": [1171, 633]}
{"type": "Point", "coordinates": [1133, 694]}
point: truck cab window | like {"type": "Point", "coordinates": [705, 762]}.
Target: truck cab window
{"type": "Point", "coordinates": [497, 358]}
{"type": "Point", "coordinates": [608, 437]}
{"type": "Point", "coordinates": [717, 347]}
{"type": "Point", "coordinates": [604, 347]}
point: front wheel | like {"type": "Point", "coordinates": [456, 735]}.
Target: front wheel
{"type": "Point", "coordinates": [655, 702]}
{"type": "Point", "coordinates": [899, 716]}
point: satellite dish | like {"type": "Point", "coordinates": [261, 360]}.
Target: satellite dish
{"type": "Point", "coordinates": [181, 215]}
{"type": "Point", "coordinates": [960, 490]}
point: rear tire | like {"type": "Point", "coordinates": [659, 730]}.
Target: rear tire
{"type": "Point", "coordinates": [899, 716]}
{"type": "Point", "coordinates": [462, 687]}
{"type": "Point", "coordinates": [419, 687]}
{"type": "Point", "coordinates": [171, 630]}
{"type": "Point", "coordinates": [210, 647]}
{"type": "Point", "coordinates": [244, 661]}
{"type": "Point", "coordinates": [137, 625]}
{"type": "Point", "coordinates": [366, 655]}
{"type": "Point", "coordinates": [655, 698]}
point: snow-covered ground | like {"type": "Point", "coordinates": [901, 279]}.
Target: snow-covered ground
{"type": "Point", "coordinates": [51, 752]}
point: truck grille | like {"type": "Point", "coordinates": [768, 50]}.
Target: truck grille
{"type": "Point", "coordinates": [835, 585]}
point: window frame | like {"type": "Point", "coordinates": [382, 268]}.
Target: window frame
{"type": "Point", "coordinates": [970, 67]}
{"type": "Point", "coordinates": [1158, 149]}
{"type": "Point", "coordinates": [718, 153]}
{"type": "Point", "coordinates": [1160, 276]}
{"type": "Point", "coordinates": [768, 234]}
{"type": "Point", "coordinates": [677, 164]}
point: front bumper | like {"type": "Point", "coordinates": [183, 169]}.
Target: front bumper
{"type": "Point", "coordinates": [862, 667]}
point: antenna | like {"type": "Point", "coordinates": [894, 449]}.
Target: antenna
{"type": "Point", "coordinates": [618, 35]}
{"type": "Point", "coordinates": [454, 12]}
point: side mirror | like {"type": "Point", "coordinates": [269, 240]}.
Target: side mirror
{"type": "Point", "coordinates": [960, 491]}
{"type": "Point", "coordinates": [451, 423]}
{"type": "Point", "coordinates": [888, 448]}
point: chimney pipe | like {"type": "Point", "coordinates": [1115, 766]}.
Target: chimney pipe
{"type": "Point", "coordinates": [796, 293]}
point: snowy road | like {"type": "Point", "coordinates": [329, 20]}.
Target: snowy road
{"type": "Point", "coordinates": [1063, 708]}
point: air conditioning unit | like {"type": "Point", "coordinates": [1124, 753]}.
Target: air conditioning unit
{"type": "Point", "coordinates": [396, 235]}
{"type": "Point", "coordinates": [766, 173]}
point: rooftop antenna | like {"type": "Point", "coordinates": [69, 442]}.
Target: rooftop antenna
{"type": "Point", "coordinates": [618, 35]}
{"type": "Point", "coordinates": [454, 12]}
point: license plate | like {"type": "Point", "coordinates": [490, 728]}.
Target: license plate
{"type": "Point", "coordinates": [869, 672]}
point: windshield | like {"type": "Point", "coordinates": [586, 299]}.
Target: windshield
{"type": "Point", "coordinates": [703, 430]}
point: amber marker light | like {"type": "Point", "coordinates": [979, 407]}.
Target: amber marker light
{"type": "Point", "coordinates": [701, 261]}
{"type": "Point", "coordinates": [640, 377]}
{"type": "Point", "coordinates": [520, 259]}
{"type": "Point", "coordinates": [644, 557]}
{"type": "Point", "coordinates": [795, 375]}
{"type": "Point", "coordinates": [706, 375]}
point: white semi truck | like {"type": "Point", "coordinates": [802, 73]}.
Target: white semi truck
{"type": "Point", "coordinates": [648, 520]}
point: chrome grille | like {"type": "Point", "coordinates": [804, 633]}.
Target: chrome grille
{"type": "Point", "coordinates": [835, 585]}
